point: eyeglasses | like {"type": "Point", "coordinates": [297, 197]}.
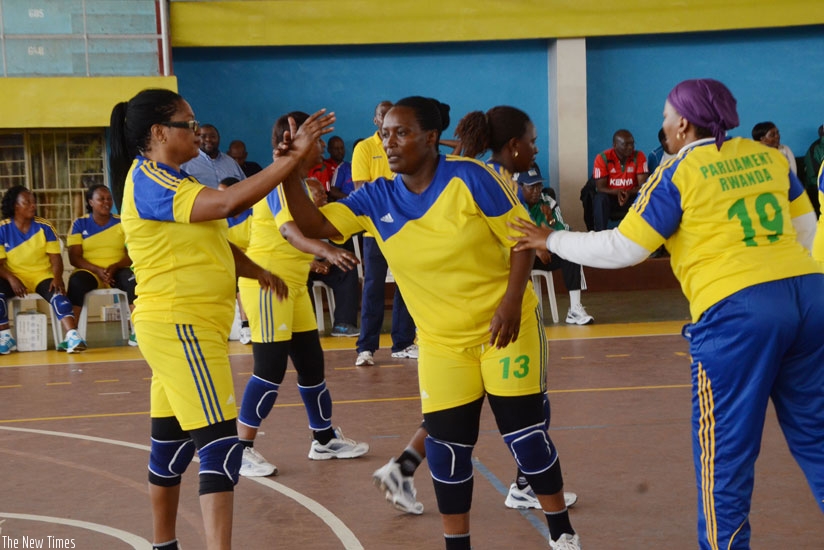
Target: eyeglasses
{"type": "Point", "coordinates": [192, 125]}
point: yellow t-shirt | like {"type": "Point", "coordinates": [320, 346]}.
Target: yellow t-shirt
{"type": "Point", "coordinates": [240, 229]}
{"type": "Point", "coordinates": [448, 247]}
{"type": "Point", "coordinates": [102, 245]}
{"type": "Point", "coordinates": [725, 217]}
{"type": "Point", "coordinates": [185, 271]}
{"type": "Point", "coordinates": [27, 254]}
{"type": "Point", "coordinates": [269, 249]}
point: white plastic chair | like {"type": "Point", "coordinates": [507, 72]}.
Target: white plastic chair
{"type": "Point", "coordinates": [318, 288]}
{"type": "Point", "coordinates": [15, 305]}
{"type": "Point", "coordinates": [537, 275]}
{"type": "Point", "coordinates": [121, 299]}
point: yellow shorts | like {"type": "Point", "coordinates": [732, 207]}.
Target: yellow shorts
{"type": "Point", "coordinates": [450, 377]}
{"type": "Point", "coordinates": [271, 320]}
{"type": "Point", "coordinates": [191, 376]}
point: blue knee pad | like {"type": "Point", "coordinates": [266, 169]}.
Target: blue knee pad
{"type": "Point", "coordinates": [449, 462]}
{"type": "Point", "coordinates": [168, 460]}
{"type": "Point", "coordinates": [222, 457]}
{"type": "Point", "coordinates": [62, 306]}
{"type": "Point", "coordinates": [4, 313]}
{"type": "Point", "coordinates": [318, 404]}
{"type": "Point", "coordinates": [532, 449]}
{"type": "Point", "coordinates": [258, 399]}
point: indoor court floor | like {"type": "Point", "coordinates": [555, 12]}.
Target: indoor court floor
{"type": "Point", "coordinates": [74, 450]}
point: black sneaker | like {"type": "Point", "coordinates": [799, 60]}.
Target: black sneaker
{"type": "Point", "coordinates": [347, 331]}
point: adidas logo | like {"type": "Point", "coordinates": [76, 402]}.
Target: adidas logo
{"type": "Point", "coordinates": [230, 400]}
{"type": "Point", "coordinates": [387, 218]}
{"type": "Point", "coordinates": [85, 233]}
{"type": "Point", "coordinates": [283, 327]}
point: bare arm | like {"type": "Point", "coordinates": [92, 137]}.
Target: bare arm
{"type": "Point", "coordinates": [16, 284]}
{"type": "Point", "coordinates": [57, 270]}
{"type": "Point", "coordinates": [245, 267]}
{"type": "Point", "coordinates": [212, 204]}
{"type": "Point", "coordinates": [337, 256]}
{"type": "Point", "coordinates": [602, 185]}
{"type": "Point", "coordinates": [311, 222]}
{"type": "Point", "coordinates": [506, 322]}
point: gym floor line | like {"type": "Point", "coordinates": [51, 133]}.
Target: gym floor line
{"type": "Point", "coordinates": [620, 420]}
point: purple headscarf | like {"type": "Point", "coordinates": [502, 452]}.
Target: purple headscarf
{"type": "Point", "coordinates": [706, 103]}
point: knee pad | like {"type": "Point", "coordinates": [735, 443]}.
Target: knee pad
{"type": "Point", "coordinates": [61, 306]}
{"type": "Point", "coordinates": [258, 400]}
{"type": "Point", "coordinates": [220, 465]}
{"type": "Point", "coordinates": [532, 449]}
{"type": "Point", "coordinates": [168, 460]}
{"type": "Point", "coordinates": [448, 462]}
{"type": "Point", "coordinates": [318, 404]}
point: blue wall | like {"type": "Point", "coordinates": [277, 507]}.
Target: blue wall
{"type": "Point", "coordinates": [243, 90]}
{"type": "Point", "coordinates": [775, 74]}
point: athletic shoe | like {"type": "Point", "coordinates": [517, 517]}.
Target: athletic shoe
{"type": "Point", "coordinates": [578, 316]}
{"type": "Point", "coordinates": [364, 359]}
{"type": "Point", "coordinates": [345, 330]}
{"type": "Point", "coordinates": [74, 342]}
{"type": "Point", "coordinates": [338, 447]}
{"type": "Point", "coordinates": [254, 465]}
{"type": "Point", "coordinates": [523, 499]}
{"type": "Point", "coordinates": [7, 344]}
{"type": "Point", "coordinates": [245, 335]}
{"type": "Point", "coordinates": [133, 340]}
{"type": "Point", "coordinates": [62, 346]}
{"type": "Point", "coordinates": [566, 542]}
{"type": "Point", "coordinates": [409, 353]}
{"type": "Point", "coordinates": [397, 488]}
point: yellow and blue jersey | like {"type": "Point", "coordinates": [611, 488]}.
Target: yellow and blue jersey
{"type": "Point", "coordinates": [240, 229]}
{"type": "Point", "coordinates": [27, 254]}
{"type": "Point", "coordinates": [369, 160]}
{"type": "Point", "coordinates": [818, 242]}
{"type": "Point", "coordinates": [448, 247]}
{"type": "Point", "coordinates": [725, 217]}
{"type": "Point", "coordinates": [102, 245]}
{"type": "Point", "coordinates": [185, 271]}
{"type": "Point", "coordinates": [269, 249]}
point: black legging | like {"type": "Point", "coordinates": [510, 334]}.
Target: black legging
{"type": "Point", "coordinates": [81, 282]}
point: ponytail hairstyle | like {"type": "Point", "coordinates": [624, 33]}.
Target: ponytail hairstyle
{"type": "Point", "coordinates": [430, 113]}
{"type": "Point", "coordinates": [479, 132]}
{"type": "Point", "coordinates": [130, 131]}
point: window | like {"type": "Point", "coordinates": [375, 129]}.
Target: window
{"type": "Point", "coordinates": [58, 166]}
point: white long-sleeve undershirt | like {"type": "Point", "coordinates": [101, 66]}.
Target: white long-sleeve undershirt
{"type": "Point", "coordinates": [608, 249]}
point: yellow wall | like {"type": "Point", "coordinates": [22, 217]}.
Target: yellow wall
{"type": "Point", "coordinates": [320, 22]}
{"type": "Point", "coordinates": [69, 102]}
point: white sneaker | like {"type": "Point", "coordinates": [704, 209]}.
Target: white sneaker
{"type": "Point", "coordinates": [74, 342]}
{"type": "Point", "coordinates": [409, 353]}
{"type": "Point", "coordinates": [397, 488]}
{"type": "Point", "coordinates": [364, 359]}
{"type": "Point", "coordinates": [245, 335]}
{"type": "Point", "coordinates": [566, 542]}
{"type": "Point", "coordinates": [338, 447]}
{"type": "Point", "coordinates": [523, 499]}
{"type": "Point", "coordinates": [577, 315]}
{"type": "Point", "coordinates": [7, 344]}
{"type": "Point", "coordinates": [254, 465]}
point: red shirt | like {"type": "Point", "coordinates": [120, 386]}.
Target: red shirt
{"type": "Point", "coordinates": [621, 176]}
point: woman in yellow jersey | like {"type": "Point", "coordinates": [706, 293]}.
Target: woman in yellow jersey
{"type": "Point", "coordinates": [441, 224]}
{"type": "Point", "coordinates": [510, 136]}
{"type": "Point", "coordinates": [738, 225]}
{"type": "Point", "coordinates": [30, 261]}
{"type": "Point", "coordinates": [288, 329]}
{"type": "Point", "coordinates": [97, 249]}
{"type": "Point", "coordinates": [176, 232]}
